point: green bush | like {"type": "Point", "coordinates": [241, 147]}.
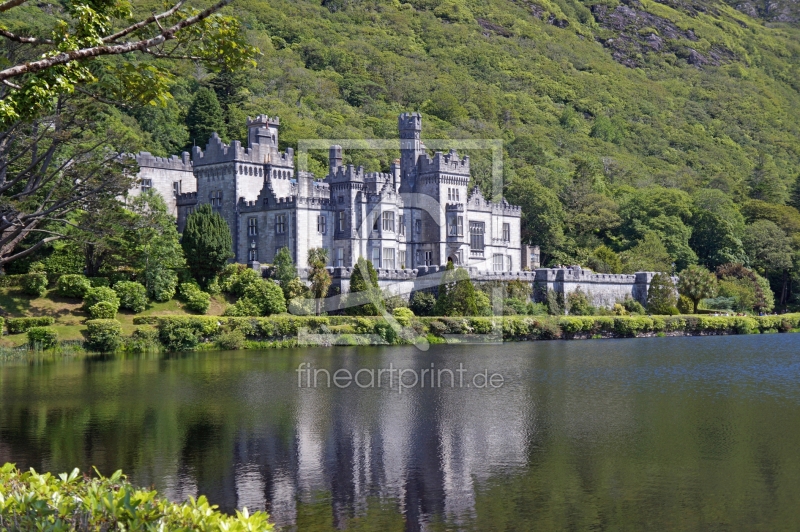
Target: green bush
{"type": "Point", "coordinates": [33, 501]}
{"type": "Point", "coordinates": [99, 282]}
{"type": "Point", "coordinates": [73, 285]}
{"type": "Point", "coordinates": [422, 303]}
{"type": "Point", "coordinates": [195, 299]}
{"type": "Point", "coordinates": [103, 335]}
{"type": "Point", "coordinates": [42, 338]}
{"type": "Point", "coordinates": [403, 316]}
{"type": "Point", "coordinates": [104, 310]}
{"type": "Point", "coordinates": [231, 340]}
{"type": "Point", "coordinates": [21, 325]}
{"type": "Point", "coordinates": [132, 295]}
{"type": "Point", "coordinates": [178, 336]}
{"type": "Point", "coordinates": [162, 284]}
{"type": "Point", "coordinates": [143, 340]}
{"type": "Point", "coordinates": [2, 325]}
{"type": "Point", "coordinates": [96, 295]}
{"type": "Point", "coordinates": [266, 295]}
{"type": "Point", "coordinates": [35, 284]}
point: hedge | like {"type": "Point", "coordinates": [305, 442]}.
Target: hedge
{"type": "Point", "coordinates": [33, 501]}
{"type": "Point", "coordinates": [132, 295]}
{"type": "Point", "coordinates": [34, 284]}
{"type": "Point", "coordinates": [182, 332]}
{"type": "Point", "coordinates": [73, 285]}
{"type": "Point", "coordinates": [96, 295]}
{"type": "Point", "coordinates": [42, 338]}
{"type": "Point", "coordinates": [103, 336]}
{"type": "Point", "coordinates": [21, 325]}
{"type": "Point", "coordinates": [103, 310]}
{"type": "Point", "coordinates": [12, 280]}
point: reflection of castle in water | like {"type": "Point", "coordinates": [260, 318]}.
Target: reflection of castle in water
{"type": "Point", "coordinates": [423, 451]}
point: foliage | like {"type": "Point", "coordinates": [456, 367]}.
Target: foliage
{"type": "Point", "coordinates": [231, 340]}
{"type": "Point", "coordinates": [206, 244]}
{"type": "Point", "coordinates": [103, 310]}
{"type": "Point", "coordinates": [101, 293]}
{"type": "Point", "coordinates": [42, 338]}
{"type": "Point", "coordinates": [266, 296]}
{"type": "Point", "coordinates": [195, 299]}
{"type": "Point", "coordinates": [285, 272]}
{"type": "Point", "coordinates": [403, 316]}
{"type": "Point", "coordinates": [686, 305]}
{"type": "Point", "coordinates": [661, 296]}
{"type": "Point", "coordinates": [143, 340]}
{"type": "Point", "coordinates": [34, 284]}
{"type": "Point", "coordinates": [554, 304]}
{"type": "Point", "coordinates": [422, 303]}
{"type": "Point", "coordinates": [73, 285]}
{"type": "Point", "coordinates": [103, 336]}
{"type": "Point", "coordinates": [33, 501]}
{"type": "Point", "coordinates": [605, 260]}
{"type": "Point", "coordinates": [162, 284]}
{"type": "Point", "coordinates": [697, 283]}
{"type": "Point", "coordinates": [318, 276]}
{"type": "Point", "coordinates": [132, 295]}
{"type": "Point", "coordinates": [456, 295]}
{"type": "Point", "coordinates": [21, 325]}
{"type": "Point", "coordinates": [364, 297]}
{"type": "Point", "coordinates": [578, 303]}
{"type": "Point", "coordinates": [633, 306]}
{"type": "Point", "coordinates": [205, 118]}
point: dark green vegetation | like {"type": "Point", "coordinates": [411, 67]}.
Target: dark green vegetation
{"type": "Point", "coordinates": [647, 135]}
{"type": "Point", "coordinates": [48, 502]}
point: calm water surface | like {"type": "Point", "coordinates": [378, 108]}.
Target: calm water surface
{"type": "Point", "coordinates": [661, 433]}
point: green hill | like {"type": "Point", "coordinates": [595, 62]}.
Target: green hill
{"type": "Point", "coordinates": [594, 100]}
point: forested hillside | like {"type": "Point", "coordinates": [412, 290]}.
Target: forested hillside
{"type": "Point", "coordinates": [639, 134]}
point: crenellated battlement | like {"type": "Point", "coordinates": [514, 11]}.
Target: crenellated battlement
{"type": "Point", "coordinates": [444, 163]}
{"type": "Point", "coordinates": [263, 120]}
{"type": "Point", "coordinates": [180, 163]}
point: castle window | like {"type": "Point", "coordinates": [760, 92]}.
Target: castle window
{"type": "Point", "coordinates": [252, 255]}
{"type": "Point", "coordinates": [341, 199]}
{"type": "Point", "coordinates": [321, 224]}
{"type": "Point", "coordinates": [457, 226]}
{"type": "Point", "coordinates": [449, 194]}
{"type": "Point", "coordinates": [509, 263]}
{"type": "Point", "coordinates": [497, 262]}
{"type": "Point", "coordinates": [252, 226]}
{"type": "Point", "coordinates": [507, 232]}
{"type": "Point", "coordinates": [340, 257]}
{"type": "Point", "coordinates": [388, 258]}
{"type": "Point", "coordinates": [376, 257]}
{"type": "Point", "coordinates": [458, 196]}
{"type": "Point", "coordinates": [388, 221]}
{"type": "Point", "coordinates": [376, 219]}
{"type": "Point", "coordinates": [429, 258]}
{"type": "Point", "coordinates": [280, 224]}
{"type": "Point", "coordinates": [402, 224]}
{"type": "Point", "coordinates": [146, 184]}
{"type": "Point", "coordinates": [176, 188]}
{"type": "Point", "coordinates": [401, 258]}
{"type": "Point", "coordinates": [265, 201]}
{"type": "Point", "coordinates": [342, 220]}
{"type": "Point", "coordinates": [418, 226]}
{"type": "Point", "coordinates": [476, 230]}
{"type": "Point", "coordinates": [216, 198]}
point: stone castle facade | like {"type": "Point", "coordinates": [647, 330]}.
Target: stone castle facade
{"type": "Point", "coordinates": [409, 222]}
{"type": "Point", "coordinates": [420, 213]}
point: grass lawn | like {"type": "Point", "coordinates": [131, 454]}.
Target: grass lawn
{"type": "Point", "coordinates": [70, 317]}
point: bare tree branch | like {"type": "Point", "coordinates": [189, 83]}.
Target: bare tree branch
{"type": "Point", "coordinates": [5, 6]}
{"type": "Point", "coordinates": [23, 39]}
{"type": "Point", "coordinates": [96, 51]}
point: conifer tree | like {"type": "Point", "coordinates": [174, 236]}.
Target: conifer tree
{"type": "Point", "coordinates": [206, 244]}
{"type": "Point", "coordinates": [285, 270]}
{"type": "Point", "coordinates": [363, 289]}
{"type": "Point", "coordinates": [318, 275]}
{"type": "Point", "coordinates": [205, 117]}
{"type": "Point", "coordinates": [456, 294]}
{"type": "Point", "coordinates": [661, 296]}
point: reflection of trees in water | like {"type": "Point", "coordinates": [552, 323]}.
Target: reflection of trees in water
{"type": "Point", "coordinates": [572, 441]}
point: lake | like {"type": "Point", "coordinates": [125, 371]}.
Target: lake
{"type": "Point", "coordinates": [699, 433]}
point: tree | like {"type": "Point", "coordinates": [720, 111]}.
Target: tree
{"type": "Point", "coordinates": [750, 290]}
{"type": "Point", "coordinates": [205, 117]}
{"type": "Point", "coordinates": [285, 270]}
{"type": "Point", "coordinates": [54, 52]}
{"type": "Point", "coordinates": [318, 275]}
{"type": "Point", "coordinates": [661, 295]}
{"type": "Point", "coordinates": [456, 293]}
{"type": "Point", "coordinates": [266, 296]}
{"type": "Point", "coordinates": [365, 296]}
{"type": "Point", "coordinates": [767, 246]}
{"type": "Point", "coordinates": [766, 183]}
{"type": "Point", "coordinates": [697, 283]}
{"type": "Point", "coordinates": [794, 195]}
{"type": "Point", "coordinates": [542, 215]}
{"type": "Point", "coordinates": [649, 255]}
{"type": "Point", "coordinates": [206, 244]}
{"type": "Point", "coordinates": [717, 227]}
{"type": "Point", "coordinates": [604, 260]}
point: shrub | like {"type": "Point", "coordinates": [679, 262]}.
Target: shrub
{"type": "Point", "coordinates": [132, 295]}
{"type": "Point", "coordinates": [98, 282]}
{"type": "Point", "coordinates": [103, 335]}
{"type": "Point", "coordinates": [2, 325]}
{"type": "Point", "coordinates": [422, 303]}
{"type": "Point", "coordinates": [662, 295]}
{"type": "Point", "coordinates": [21, 325]}
{"type": "Point", "coordinates": [578, 303]}
{"type": "Point", "coordinates": [195, 299]}
{"type": "Point", "coordinates": [231, 340]}
{"type": "Point", "coordinates": [242, 308]}
{"type": "Point", "coordinates": [513, 306]}
{"type": "Point", "coordinates": [177, 336]}
{"type": "Point", "coordinates": [685, 305]}
{"type": "Point", "coordinates": [267, 296]}
{"type": "Point", "coordinates": [633, 306]}
{"type": "Point", "coordinates": [104, 310]}
{"type": "Point", "coordinates": [143, 340]}
{"type": "Point", "coordinates": [237, 281]}
{"type": "Point", "coordinates": [35, 501]}
{"type": "Point", "coordinates": [403, 316]}
{"type": "Point", "coordinates": [96, 295]}
{"type": "Point", "coordinates": [162, 284]}
{"type": "Point", "coordinates": [73, 285]}
{"type": "Point", "coordinates": [35, 284]}
{"type": "Point", "coordinates": [42, 338]}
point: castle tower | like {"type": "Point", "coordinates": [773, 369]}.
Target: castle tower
{"type": "Point", "coordinates": [334, 158]}
{"type": "Point", "coordinates": [262, 130]}
{"type": "Point", "coordinates": [410, 126]}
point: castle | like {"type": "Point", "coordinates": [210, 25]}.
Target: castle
{"type": "Point", "coordinates": [420, 213]}
{"type": "Point", "coordinates": [409, 222]}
